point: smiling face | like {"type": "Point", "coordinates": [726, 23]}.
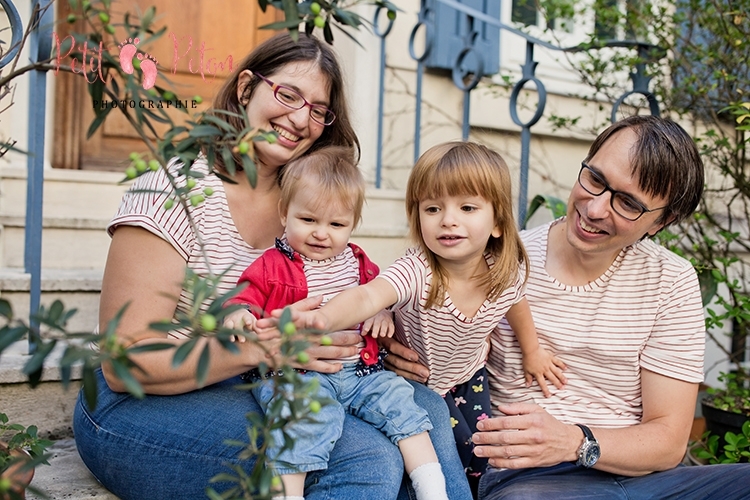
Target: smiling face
{"type": "Point", "coordinates": [456, 228]}
{"type": "Point", "coordinates": [592, 227]}
{"type": "Point", "coordinates": [316, 228]}
{"type": "Point", "coordinates": [297, 132]}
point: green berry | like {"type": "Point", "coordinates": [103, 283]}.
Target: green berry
{"type": "Point", "coordinates": [168, 204]}
{"type": "Point", "coordinates": [392, 15]}
{"type": "Point", "coordinates": [290, 329]}
{"type": "Point", "coordinates": [104, 17]}
{"type": "Point", "coordinates": [243, 147]}
{"type": "Point", "coordinates": [314, 406]}
{"type": "Point", "coordinates": [275, 482]}
{"type": "Point", "coordinates": [153, 165]}
{"type": "Point", "coordinates": [72, 18]}
{"type": "Point", "coordinates": [86, 5]}
{"type": "Point", "coordinates": [271, 138]}
{"type": "Point", "coordinates": [140, 166]}
{"type": "Point", "coordinates": [319, 21]}
{"type": "Point", "coordinates": [197, 199]}
{"type": "Point", "coordinates": [110, 29]}
{"type": "Point", "coordinates": [303, 357]}
{"type": "Point", "coordinates": [134, 156]}
{"type": "Point", "coordinates": [208, 322]}
{"type": "Point", "coordinates": [315, 8]}
{"type": "Point", "coordinates": [137, 65]}
{"type": "Point", "coordinates": [152, 92]}
{"type": "Point", "coordinates": [208, 191]}
{"type": "Point", "coordinates": [198, 99]}
{"type": "Point", "coordinates": [168, 95]}
{"type": "Point", "coordinates": [326, 340]}
{"type": "Point", "coordinates": [5, 484]}
{"type": "Point", "coordinates": [191, 183]}
{"type": "Point", "coordinates": [131, 172]}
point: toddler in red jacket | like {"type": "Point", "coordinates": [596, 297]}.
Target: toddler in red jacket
{"type": "Point", "coordinates": [322, 195]}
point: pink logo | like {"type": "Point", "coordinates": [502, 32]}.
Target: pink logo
{"type": "Point", "coordinates": [148, 63]}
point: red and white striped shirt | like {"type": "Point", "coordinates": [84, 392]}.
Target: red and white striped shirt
{"type": "Point", "coordinates": [451, 345]}
{"type": "Point", "coordinates": [329, 278]}
{"type": "Point", "coordinates": [224, 247]}
{"type": "Point", "coordinates": [645, 311]}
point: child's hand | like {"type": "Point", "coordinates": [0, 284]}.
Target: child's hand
{"type": "Point", "coordinates": [380, 325]}
{"type": "Point", "coordinates": [240, 320]}
{"type": "Point", "coordinates": [539, 365]}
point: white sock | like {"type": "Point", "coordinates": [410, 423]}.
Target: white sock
{"type": "Point", "coordinates": [428, 482]}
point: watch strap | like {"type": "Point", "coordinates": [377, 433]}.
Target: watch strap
{"type": "Point", "coordinates": [587, 432]}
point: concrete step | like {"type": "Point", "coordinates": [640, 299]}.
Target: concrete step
{"type": "Point", "coordinates": [76, 288]}
{"type": "Point", "coordinates": [79, 204]}
{"type": "Point", "coordinates": [66, 477]}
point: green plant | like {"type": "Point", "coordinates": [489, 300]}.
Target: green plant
{"type": "Point", "coordinates": [21, 448]}
{"type": "Point", "coordinates": [736, 448]}
{"type": "Point", "coordinates": [733, 397]}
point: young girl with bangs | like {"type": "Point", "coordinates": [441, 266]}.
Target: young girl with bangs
{"type": "Point", "coordinates": [451, 290]}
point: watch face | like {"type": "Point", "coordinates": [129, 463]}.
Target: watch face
{"type": "Point", "coordinates": [590, 454]}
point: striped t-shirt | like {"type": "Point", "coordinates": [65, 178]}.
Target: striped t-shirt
{"type": "Point", "coordinates": [224, 247]}
{"type": "Point", "coordinates": [450, 344]}
{"type": "Point", "coordinates": [329, 278]}
{"type": "Point", "coordinates": [644, 312]}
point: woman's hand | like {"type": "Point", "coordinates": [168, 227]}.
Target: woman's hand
{"type": "Point", "coordinates": [343, 344]}
{"type": "Point", "coordinates": [403, 361]}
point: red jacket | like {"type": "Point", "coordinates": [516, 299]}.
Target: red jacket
{"type": "Point", "coordinates": [277, 279]}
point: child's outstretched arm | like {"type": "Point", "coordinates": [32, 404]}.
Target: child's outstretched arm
{"type": "Point", "coordinates": [537, 363]}
{"type": "Point", "coordinates": [346, 309]}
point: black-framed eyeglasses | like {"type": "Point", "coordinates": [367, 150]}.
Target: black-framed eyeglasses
{"type": "Point", "coordinates": [292, 99]}
{"type": "Point", "coordinates": [623, 204]}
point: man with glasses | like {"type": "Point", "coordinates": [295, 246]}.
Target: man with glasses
{"type": "Point", "coordinates": [625, 315]}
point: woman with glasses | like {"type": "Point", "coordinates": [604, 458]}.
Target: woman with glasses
{"type": "Point", "coordinates": [171, 443]}
{"type": "Point", "coordinates": [625, 315]}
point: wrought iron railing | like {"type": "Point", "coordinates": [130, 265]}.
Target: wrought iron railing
{"type": "Point", "coordinates": [466, 79]}
{"type": "Point", "coordinates": [40, 46]}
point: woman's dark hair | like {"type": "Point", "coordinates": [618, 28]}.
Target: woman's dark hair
{"type": "Point", "coordinates": [665, 160]}
{"type": "Point", "coordinates": [275, 53]}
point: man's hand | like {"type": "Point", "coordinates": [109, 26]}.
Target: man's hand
{"type": "Point", "coordinates": [403, 361]}
{"type": "Point", "coordinates": [380, 325]}
{"type": "Point", "coordinates": [527, 436]}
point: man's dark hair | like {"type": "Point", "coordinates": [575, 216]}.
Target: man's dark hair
{"type": "Point", "coordinates": [665, 160]}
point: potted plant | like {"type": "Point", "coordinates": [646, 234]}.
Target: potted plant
{"type": "Point", "coordinates": [21, 450]}
{"type": "Point", "coordinates": [727, 415]}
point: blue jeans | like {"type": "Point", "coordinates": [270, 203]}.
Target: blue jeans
{"type": "Point", "coordinates": [169, 447]}
{"type": "Point", "coordinates": [382, 399]}
{"type": "Point", "coordinates": [568, 481]}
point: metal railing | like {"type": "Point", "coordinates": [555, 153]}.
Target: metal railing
{"type": "Point", "coordinates": [467, 79]}
{"type": "Point", "coordinates": [40, 46]}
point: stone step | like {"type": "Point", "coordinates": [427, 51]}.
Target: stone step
{"type": "Point", "coordinates": [76, 288]}
{"type": "Point", "coordinates": [79, 204]}
{"type": "Point", "coordinates": [66, 477]}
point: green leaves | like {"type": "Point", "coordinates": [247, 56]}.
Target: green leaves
{"type": "Point", "coordinates": [555, 205]}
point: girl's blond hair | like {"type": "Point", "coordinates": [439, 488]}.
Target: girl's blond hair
{"type": "Point", "coordinates": [467, 168]}
{"type": "Point", "coordinates": [334, 171]}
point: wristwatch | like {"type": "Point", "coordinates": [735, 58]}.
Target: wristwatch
{"type": "Point", "coordinates": [589, 452]}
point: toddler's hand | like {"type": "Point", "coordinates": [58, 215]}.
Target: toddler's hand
{"type": "Point", "coordinates": [541, 365]}
{"type": "Point", "coordinates": [380, 325]}
{"type": "Point", "coordinates": [240, 320]}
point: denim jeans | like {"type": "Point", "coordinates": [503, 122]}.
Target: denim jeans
{"type": "Point", "coordinates": [568, 481]}
{"type": "Point", "coordinates": [444, 443]}
{"type": "Point", "coordinates": [169, 447]}
{"type": "Point", "coordinates": [382, 399]}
